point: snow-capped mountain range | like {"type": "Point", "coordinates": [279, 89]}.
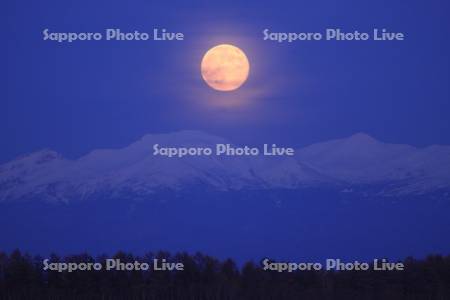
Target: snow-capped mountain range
{"type": "Point", "coordinates": [356, 161]}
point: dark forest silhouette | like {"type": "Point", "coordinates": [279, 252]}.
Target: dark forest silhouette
{"type": "Point", "coordinates": [22, 277]}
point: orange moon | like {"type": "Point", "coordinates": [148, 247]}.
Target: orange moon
{"type": "Point", "coordinates": [225, 67]}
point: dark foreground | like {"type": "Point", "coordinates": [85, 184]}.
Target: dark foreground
{"type": "Point", "coordinates": [204, 277]}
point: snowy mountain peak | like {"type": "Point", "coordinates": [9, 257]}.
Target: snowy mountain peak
{"type": "Point", "coordinates": [361, 138]}
{"type": "Point", "coordinates": [41, 156]}
{"type": "Point", "coordinates": [27, 163]}
{"type": "Point", "coordinates": [357, 160]}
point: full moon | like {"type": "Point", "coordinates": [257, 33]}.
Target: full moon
{"type": "Point", "coordinates": [225, 67]}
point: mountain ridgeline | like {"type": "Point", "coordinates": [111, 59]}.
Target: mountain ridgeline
{"type": "Point", "coordinates": [357, 163]}
{"type": "Point", "coordinates": [354, 198]}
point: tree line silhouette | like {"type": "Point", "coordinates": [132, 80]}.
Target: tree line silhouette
{"type": "Point", "coordinates": [204, 277]}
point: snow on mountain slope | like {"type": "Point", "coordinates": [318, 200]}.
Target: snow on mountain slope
{"type": "Point", "coordinates": [37, 173]}
{"type": "Point", "coordinates": [358, 159]}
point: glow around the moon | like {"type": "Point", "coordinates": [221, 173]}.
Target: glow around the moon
{"type": "Point", "coordinates": [225, 67]}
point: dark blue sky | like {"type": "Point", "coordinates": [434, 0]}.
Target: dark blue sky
{"type": "Point", "coordinates": [77, 97]}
